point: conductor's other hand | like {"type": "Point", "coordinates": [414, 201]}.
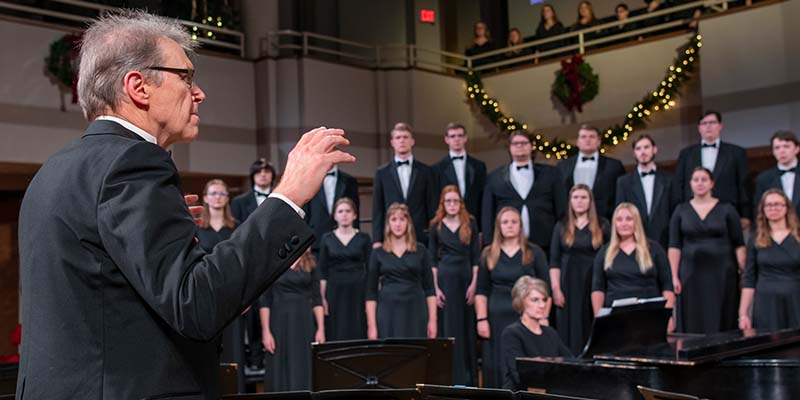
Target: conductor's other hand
{"type": "Point", "coordinates": [314, 154]}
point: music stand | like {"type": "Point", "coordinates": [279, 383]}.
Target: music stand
{"type": "Point", "coordinates": [368, 394]}
{"type": "Point", "coordinates": [438, 392]}
{"type": "Point", "coordinates": [655, 394]}
{"type": "Point", "coordinates": [299, 395]}
{"type": "Point", "coordinates": [627, 327]}
{"type": "Point", "coordinates": [546, 396]}
{"type": "Point", "coordinates": [381, 364]}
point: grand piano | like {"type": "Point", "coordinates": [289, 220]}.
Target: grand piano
{"type": "Point", "coordinates": [630, 347]}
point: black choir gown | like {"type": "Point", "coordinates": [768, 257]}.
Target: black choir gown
{"type": "Point", "coordinates": [709, 301]}
{"type": "Point", "coordinates": [496, 286]}
{"type": "Point", "coordinates": [519, 341]}
{"type": "Point", "coordinates": [624, 279]}
{"type": "Point", "coordinates": [344, 267]}
{"type": "Point", "coordinates": [774, 273]}
{"type": "Point", "coordinates": [574, 320]}
{"type": "Point", "coordinates": [405, 283]}
{"type": "Point", "coordinates": [454, 261]}
{"type": "Point", "coordinates": [291, 300]}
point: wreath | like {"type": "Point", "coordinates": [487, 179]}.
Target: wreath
{"type": "Point", "coordinates": [62, 63]}
{"type": "Point", "coordinates": [576, 84]}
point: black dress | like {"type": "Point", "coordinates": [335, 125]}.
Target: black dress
{"type": "Point", "coordinates": [543, 33]}
{"type": "Point", "coordinates": [624, 279]}
{"type": "Point", "coordinates": [405, 284]}
{"type": "Point", "coordinates": [454, 260]}
{"type": "Point", "coordinates": [574, 320]}
{"type": "Point", "coordinates": [291, 319]}
{"type": "Point", "coordinates": [519, 341]}
{"type": "Point", "coordinates": [708, 270]}
{"type": "Point", "coordinates": [475, 50]}
{"type": "Point", "coordinates": [496, 286]}
{"type": "Point", "coordinates": [344, 267]}
{"type": "Point", "coordinates": [774, 273]}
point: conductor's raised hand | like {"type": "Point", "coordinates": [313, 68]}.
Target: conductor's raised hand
{"type": "Point", "coordinates": [314, 154]}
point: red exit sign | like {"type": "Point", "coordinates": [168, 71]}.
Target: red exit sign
{"type": "Point", "coordinates": [428, 16]}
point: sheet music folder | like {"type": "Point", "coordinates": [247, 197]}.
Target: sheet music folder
{"type": "Point", "coordinates": [629, 323]}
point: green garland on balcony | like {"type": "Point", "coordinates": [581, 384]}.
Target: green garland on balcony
{"type": "Point", "coordinates": [662, 98]}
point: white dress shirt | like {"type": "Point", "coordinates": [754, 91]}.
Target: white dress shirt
{"type": "Point", "coordinates": [259, 198]}
{"type": "Point", "coordinates": [648, 185]}
{"type": "Point", "coordinates": [404, 173]}
{"type": "Point", "coordinates": [329, 186]}
{"type": "Point", "coordinates": [460, 166]}
{"type": "Point", "coordinates": [787, 181]}
{"type": "Point", "coordinates": [129, 126]}
{"type": "Point", "coordinates": [522, 180]}
{"type": "Point", "coordinates": [586, 171]}
{"type": "Point", "coordinates": [708, 155]}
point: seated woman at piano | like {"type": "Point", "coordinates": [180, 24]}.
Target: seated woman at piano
{"type": "Point", "coordinates": [771, 282]}
{"type": "Point", "coordinates": [630, 265]}
{"type": "Point", "coordinates": [526, 337]}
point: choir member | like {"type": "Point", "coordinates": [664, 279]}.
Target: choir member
{"type": "Point", "coordinates": [527, 337]}
{"type": "Point", "coordinates": [651, 190]}
{"type": "Point", "coordinates": [460, 169]}
{"type": "Point", "coordinates": [630, 265]}
{"type": "Point", "coordinates": [772, 274]}
{"type": "Point", "coordinates": [343, 256]}
{"type": "Point", "coordinates": [785, 148]}
{"type": "Point", "coordinates": [726, 161]}
{"type": "Point", "coordinates": [586, 19]}
{"type": "Point", "coordinates": [506, 259]}
{"type": "Point", "coordinates": [401, 299]}
{"type": "Point", "coordinates": [455, 248]}
{"type": "Point", "coordinates": [535, 190]}
{"type": "Point", "coordinates": [706, 252]}
{"type": "Point", "coordinates": [319, 211]}
{"type": "Point", "coordinates": [592, 169]}
{"type": "Point", "coordinates": [291, 319]}
{"type": "Point", "coordinates": [549, 26]}
{"type": "Point", "coordinates": [403, 180]}
{"type": "Point", "coordinates": [481, 43]}
{"type": "Point", "coordinates": [573, 248]}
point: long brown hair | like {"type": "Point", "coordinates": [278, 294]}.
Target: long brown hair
{"type": "Point", "coordinates": [542, 20]}
{"type": "Point", "coordinates": [594, 224]}
{"type": "Point", "coordinates": [409, 236]}
{"type": "Point", "coordinates": [764, 230]}
{"type": "Point", "coordinates": [492, 253]}
{"type": "Point", "coordinates": [227, 215]}
{"type": "Point", "coordinates": [592, 18]}
{"type": "Point", "coordinates": [306, 263]}
{"type": "Point", "coordinates": [465, 234]}
{"type": "Point", "coordinates": [643, 257]}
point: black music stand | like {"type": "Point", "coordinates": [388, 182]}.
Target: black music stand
{"type": "Point", "coordinates": [300, 395]}
{"type": "Point", "coordinates": [627, 327]}
{"type": "Point", "coordinates": [655, 394]}
{"type": "Point", "coordinates": [368, 394]}
{"type": "Point", "coordinates": [381, 364]}
{"type": "Point", "coordinates": [438, 392]}
{"type": "Point", "coordinates": [545, 396]}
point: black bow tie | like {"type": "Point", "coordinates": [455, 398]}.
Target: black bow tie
{"type": "Point", "coordinates": [714, 145]}
{"type": "Point", "coordinates": [651, 172]}
{"type": "Point", "coordinates": [783, 171]}
{"type": "Point", "coordinates": [261, 194]}
{"type": "Point", "coordinates": [406, 162]}
{"type": "Point", "coordinates": [519, 167]}
{"type": "Point", "coordinates": [332, 173]}
{"type": "Point", "coordinates": [457, 157]}
{"type": "Point", "coordinates": [584, 159]}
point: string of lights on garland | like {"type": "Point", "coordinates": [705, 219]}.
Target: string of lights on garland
{"type": "Point", "coordinates": [662, 98]}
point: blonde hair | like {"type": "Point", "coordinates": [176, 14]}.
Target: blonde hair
{"type": "Point", "coordinates": [523, 288]}
{"type": "Point", "coordinates": [492, 253]}
{"type": "Point", "coordinates": [465, 234]}
{"type": "Point", "coordinates": [306, 263]}
{"type": "Point", "coordinates": [643, 257]}
{"type": "Point", "coordinates": [594, 223]}
{"type": "Point", "coordinates": [409, 236]}
{"type": "Point", "coordinates": [764, 230]}
{"type": "Point", "coordinates": [227, 215]}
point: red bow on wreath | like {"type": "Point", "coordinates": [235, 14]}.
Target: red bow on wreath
{"type": "Point", "coordinates": [569, 68]}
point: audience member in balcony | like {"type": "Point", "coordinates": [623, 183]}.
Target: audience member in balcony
{"type": "Point", "coordinates": [549, 26]}
{"type": "Point", "coordinates": [527, 337]}
{"type": "Point", "coordinates": [651, 190]}
{"type": "Point", "coordinates": [623, 25]}
{"type": "Point", "coordinates": [460, 169]}
{"type": "Point", "coordinates": [589, 167]}
{"type": "Point", "coordinates": [772, 275]}
{"type": "Point", "coordinates": [508, 257]}
{"type": "Point", "coordinates": [728, 163]}
{"type": "Point", "coordinates": [630, 265]}
{"type": "Point", "coordinates": [401, 297]}
{"type": "Point", "coordinates": [481, 43]}
{"type": "Point", "coordinates": [785, 148]}
{"type": "Point", "coordinates": [572, 251]}
{"type": "Point", "coordinates": [535, 190]}
{"type": "Point", "coordinates": [514, 39]}
{"type": "Point", "coordinates": [586, 19]}
{"type": "Point", "coordinates": [706, 254]}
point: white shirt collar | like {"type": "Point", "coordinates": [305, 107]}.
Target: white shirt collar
{"type": "Point", "coordinates": [639, 168]}
{"type": "Point", "coordinates": [792, 165]}
{"type": "Point", "coordinates": [596, 156]}
{"type": "Point", "coordinates": [335, 169]}
{"type": "Point", "coordinates": [716, 143]}
{"type": "Point", "coordinates": [129, 126]}
{"type": "Point", "coordinates": [410, 159]}
{"type": "Point", "coordinates": [463, 153]}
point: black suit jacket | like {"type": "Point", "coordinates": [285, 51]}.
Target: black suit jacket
{"type": "Point", "coordinates": [665, 199]}
{"type": "Point", "coordinates": [605, 181]}
{"type": "Point", "coordinates": [316, 210]}
{"type": "Point", "coordinates": [475, 179]}
{"type": "Point", "coordinates": [119, 301]}
{"type": "Point", "coordinates": [546, 202]}
{"type": "Point", "coordinates": [771, 179]}
{"type": "Point", "coordinates": [421, 199]}
{"type": "Point", "coordinates": [730, 175]}
{"type": "Point", "coordinates": [243, 205]}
